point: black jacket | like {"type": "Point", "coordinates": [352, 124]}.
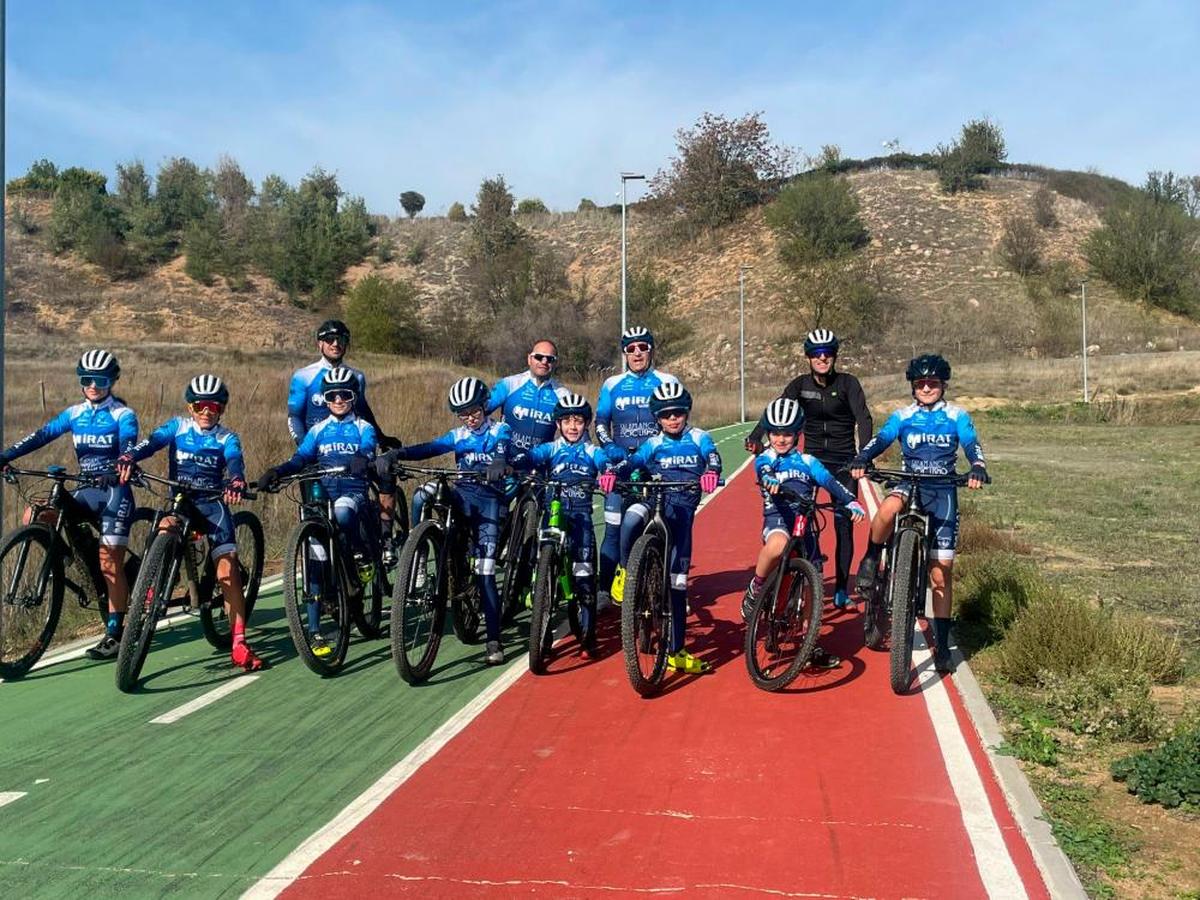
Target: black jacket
{"type": "Point", "coordinates": [831, 414]}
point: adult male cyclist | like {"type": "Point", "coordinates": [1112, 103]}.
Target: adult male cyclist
{"type": "Point", "coordinates": [102, 427]}
{"type": "Point", "coordinates": [623, 417]}
{"type": "Point", "coordinates": [835, 408]}
{"type": "Point", "coordinates": [527, 399]}
{"type": "Point", "coordinates": [306, 407]}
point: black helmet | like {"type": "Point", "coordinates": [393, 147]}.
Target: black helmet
{"type": "Point", "coordinates": [821, 339]}
{"type": "Point", "coordinates": [467, 393]}
{"type": "Point", "coordinates": [928, 365]}
{"type": "Point", "coordinates": [783, 414]}
{"type": "Point", "coordinates": [98, 362]}
{"type": "Point", "coordinates": [668, 396]}
{"type": "Point", "coordinates": [206, 387]}
{"type": "Point", "coordinates": [333, 328]}
{"type": "Point", "coordinates": [573, 405]}
{"type": "Point", "coordinates": [637, 334]}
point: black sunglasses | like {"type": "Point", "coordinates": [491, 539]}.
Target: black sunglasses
{"type": "Point", "coordinates": [338, 394]}
{"type": "Point", "coordinates": [544, 357]}
{"type": "Point", "coordinates": [333, 338]}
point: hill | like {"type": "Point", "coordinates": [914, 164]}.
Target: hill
{"type": "Point", "coordinates": [932, 257]}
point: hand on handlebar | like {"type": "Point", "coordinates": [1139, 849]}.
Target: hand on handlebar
{"type": "Point", "coordinates": [857, 471]}
{"type": "Point", "coordinates": [753, 447]}
{"type": "Point", "coordinates": [268, 480]}
{"type": "Point", "coordinates": [770, 484]}
{"type": "Point", "coordinates": [978, 477]}
{"type": "Point", "coordinates": [708, 481]}
{"type": "Point", "coordinates": [126, 468]}
{"type": "Point", "coordinates": [607, 482]}
{"type": "Point", "coordinates": [857, 513]}
{"type": "Point", "coordinates": [234, 491]}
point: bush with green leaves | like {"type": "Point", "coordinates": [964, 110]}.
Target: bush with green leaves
{"type": "Point", "coordinates": [42, 178]}
{"type": "Point", "coordinates": [1103, 702]}
{"type": "Point", "coordinates": [816, 219]}
{"type": "Point", "coordinates": [412, 202]}
{"type": "Point", "coordinates": [1044, 212]}
{"type": "Point", "coordinates": [979, 150]}
{"type": "Point", "coordinates": [417, 252]}
{"type": "Point", "coordinates": [586, 205]}
{"type": "Point", "coordinates": [531, 206]}
{"type": "Point", "coordinates": [1021, 245]}
{"type": "Point", "coordinates": [1168, 774]}
{"type": "Point", "coordinates": [990, 591]}
{"type": "Point", "coordinates": [384, 315]}
{"type": "Point", "coordinates": [457, 212]}
{"type": "Point", "coordinates": [648, 303]}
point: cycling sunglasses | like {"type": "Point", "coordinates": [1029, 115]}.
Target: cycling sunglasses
{"type": "Point", "coordinates": [338, 394]}
{"type": "Point", "coordinates": [544, 357]}
{"type": "Point", "coordinates": [96, 381]}
{"type": "Point", "coordinates": [208, 406]}
{"type": "Point", "coordinates": [333, 337]}
{"type": "Point", "coordinates": [638, 347]}
{"type": "Point", "coordinates": [927, 384]}
{"type": "Point", "coordinates": [822, 354]}
{"type": "Point", "coordinates": [467, 414]}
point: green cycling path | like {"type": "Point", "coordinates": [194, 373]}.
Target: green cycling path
{"type": "Point", "coordinates": [206, 805]}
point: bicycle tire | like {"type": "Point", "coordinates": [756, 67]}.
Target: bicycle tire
{"type": "Point", "coordinates": [148, 597]}
{"type": "Point", "coordinates": [419, 604]}
{"type": "Point", "coordinates": [331, 604]}
{"type": "Point", "coordinates": [876, 621]}
{"type": "Point", "coordinates": [138, 545]}
{"type": "Point", "coordinates": [784, 625]}
{"type": "Point", "coordinates": [644, 617]}
{"type": "Point", "coordinates": [903, 586]}
{"type": "Point", "coordinates": [22, 643]}
{"type": "Point", "coordinates": [546, 589]}
{"type": "Point", "coordinates": [248, 534]}
{"type": "Point", "coordinates": [367, 611]}
{"type": "Point", "coordinates": [466, 612]}
{"type": "Point", "coordinates": [521, 560]}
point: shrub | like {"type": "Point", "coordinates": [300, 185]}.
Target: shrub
{"type": "Point", "coordinates": [456, 212]}
{"type": "Point", "coordinates": [648, 303]}
{"type": "Point", "coordinates": [531, 205]}
{"type": "Point", "coordinates": [384, 315]}
{"type": "Point", "coordinates": [184, 193]}
{"type": "Point", "coordinates": [586, 205]}
{"type": "Point", "coordinates": [979, 149]}
{"type": "Point", "coordinates": [202, 246]}
{"type": "Point", "coordinates": [1029, 740]}
{"type": "Point", "coordinates": [722, 167]}
{"type": "Point", "coordinates": [1103, 702]}
{"type": "Point", "coordinates": [385, 249]}
{"type": "Point", "coordinates": [842, 294]}
{"type": "Point", "coordinates": [955, 173]}
{"type": "Point", "coordinates": [991, 590]}
{"type": "Point", "coordinates": [1021, 245]}
{"type": "Point", "coordinates": [1043, 208]}
{"type": "Point", "coordinates": [1150, 251]}
{"type": "Point", "coordinates": [412, 202]}
{"type": "Point", "coordinates": [816, 219]}
{"type": "Point", "coordinates": [42, 177]}
{"type": "Point", "coordinates": [1169, 774]}
{"type": "Point", "coordinates": [416, 253]}
{"type": "Point", "coordinates": [22, 216]}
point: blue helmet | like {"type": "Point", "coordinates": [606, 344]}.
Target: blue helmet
{"type": "Point", "coordinates": [98, 362]}
{"type": "Point", "coordinates": [928, 365]}
{"type": "Point", "coordinates": [821, 339]}
{"type": "Point", "coordinates": [573, 405]}
{"type": "Point", "coordinates": [637, 334]}
{"type": "Point", "coordinates": [668, 396]}
{"type": "Point", "coordinates": [783, 414]}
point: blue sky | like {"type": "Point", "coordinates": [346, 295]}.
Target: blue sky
{"type": "Point", "coordinates": [560, 97]}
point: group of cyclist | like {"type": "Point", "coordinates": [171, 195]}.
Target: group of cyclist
{"type": "Point", "coordinates": [642, 430]}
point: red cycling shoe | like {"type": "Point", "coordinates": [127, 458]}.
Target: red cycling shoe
{"type": "Point", "coordinates": [247, 659]}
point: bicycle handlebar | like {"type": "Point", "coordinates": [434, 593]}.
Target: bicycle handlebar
{"type": "Point", "coordinates": [958, 478]}
{"type": "Point", "coordinates": [141, 476]}
{"type": "Point", "coordinates": [54, 473]}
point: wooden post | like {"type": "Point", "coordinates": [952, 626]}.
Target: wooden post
{"type": "Point", "coordinates": [158, 409]}
{"type": "Point", "coordinates": [42, 390]}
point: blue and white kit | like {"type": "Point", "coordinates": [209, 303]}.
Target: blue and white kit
{"type": "Point", "coordinates": [306, 399]}
{"type": "Point", "coordinates": [528, 407]}
{"type": "Point", "coordinates": [799, 472]}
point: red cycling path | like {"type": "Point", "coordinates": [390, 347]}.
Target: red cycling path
{"type": "Point", "coordinates": [569, 784]}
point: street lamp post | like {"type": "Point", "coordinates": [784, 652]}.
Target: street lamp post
{"type": "Point", "coordinates": [1083, 302]}
{"type": "Point", "coordinates": [625, 177]}
{"type": "Point", "coordinates": [742, 334]}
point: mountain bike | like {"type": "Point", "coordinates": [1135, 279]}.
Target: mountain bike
{"type": "Point", "coordinates": [553, 583]}
{"type": "Point", "coordinates": [179, 549]}
{"type": "Point", "coordinates": [56, 551]}
{"type": "Point", "coordinates": [646, 614]}
{"type": "Point", "coordinates": [892, 604]}
{"type": "Point", "coordinates": [325, 586]}
{"type": "Point", "coordinates": [434, 569]}
{"type": "Point", "coordinates": [516, 556]}
{"type": "Point", "coordinates": [785, 620]}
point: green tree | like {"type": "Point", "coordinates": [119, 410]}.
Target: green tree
{"type": "Point", "coordinates": [531, 206]}
{"type": "Point", "coordinates": [202, 248]}
{"type": "Point", "coordinates": [457, 212]}
{"type": "Point", "coordinates": [384, 315]}
{"type": "Point", "coordinates": [814, 219]}
{"type": "Point", "coordinates": [146, 237]}
{"type": "Point", "coordinates": [412, 202]}
{"type": "Point", "coordinates": [42, 177]}
{"type": "Point", "coordinates": [649, 303]}
{"type": "Point", "coordinates": [979, 150]}
{"type": "Point", "coordinates": [184, 193]}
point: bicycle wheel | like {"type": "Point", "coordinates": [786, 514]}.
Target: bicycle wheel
{"type": "Point", "coordinates": [314, 601]}
{"type": "Point", "coordinates": [248, 533]}
{"type": "Point", "coordinates": [419, 602]}
{"type": "Point", "coordinates": [146, 601]}
{"type": "Point", "coordinates": [876, 622]}
{"type": "Point", "coordinates": [31, 576]}
{"type": "Point", "coordinates": [466, 611]}
{"type": "Point", "coordinates": [644, 617]}
{"type": "Point", "coordinates": [140, 538]}
{"type": "Point", "coordinates": [784, 625]}
{"type": "Point", "coordinates": [367, 611]}
{"type": "Point", "coordinates": [546, 590]}
{"type": "Point", "coordinates": [902, 585]}
{"type": "Point", "coordinates": [521, 560]}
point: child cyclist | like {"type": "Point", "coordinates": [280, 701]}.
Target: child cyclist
{"type": "Point", "coordinates": [479, 445]}
{"type": "Point", "coordinates": [202, 452]}
{"type": "Point", "coordinates": [102, 427]}
{"type": "Point", "coordinates": [341, 439]}
{"type": "Point", "coordinates": [679, 452]}
{"type": "Point", "coordinates": [930, 432]}
{"type": "Point", "coordinates": [576, 461]}
{"type": "Point", "coordinates": [782, 464]}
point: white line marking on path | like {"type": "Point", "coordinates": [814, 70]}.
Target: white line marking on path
{"type": "Point", "coordinates": [7, 797]}
{"type": "Point", "coordinates": [224, 690]}
{"type": "Point", "coordinates": [292, 867]}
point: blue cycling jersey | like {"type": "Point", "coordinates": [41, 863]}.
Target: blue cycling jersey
{"type": "Point", "coordinates": [335, 442]}
{"type": "Point", "coordinates": [101, 432]}
{"type": "Point", "coordinates": [929, 438]}
{"type": "Point", "coordinates": [623, 409]}
{"type": "Point", "coordinates": [682, 458]}
{"type": "Point", "coordinates": [473, 451]}
{"type": "Point", "coordinates": [576, 465]}
{"type": "Point", "coordinates": [306, 400]}
{"type": "Point", "coordinates": [801, 473]}
{"type": "Point", "coordinates": [199, 458]}
{"type": "Point", "coordinates": [528, 407]}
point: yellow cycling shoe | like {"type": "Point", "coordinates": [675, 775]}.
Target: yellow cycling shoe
{"type": "Point", "coordinates": [688, 664]}
{"type": "Point", "coordinates": [618, 586]}
{"type": "Point", "coordinates": [319, 646]}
